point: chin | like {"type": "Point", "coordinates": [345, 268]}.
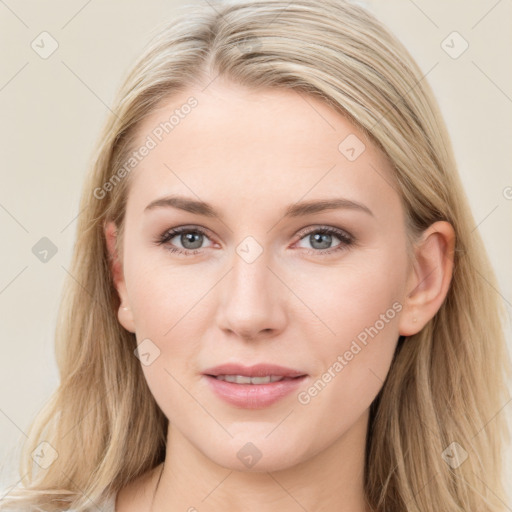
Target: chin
{"type": "Point", "coordinates": [256, 456]}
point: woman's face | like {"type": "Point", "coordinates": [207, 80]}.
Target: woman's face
{"type": "Point", "coordinates": [258, 281]}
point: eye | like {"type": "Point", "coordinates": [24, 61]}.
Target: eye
{"type": "Point", "coordinates": [321, 239]}
{"type": "Point", "coordinates": [191, 240]}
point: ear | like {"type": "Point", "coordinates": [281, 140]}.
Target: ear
{"type": "Point", "coordinates": [124, 313]}
{"type": "Point", "coordinates": [429, 279]}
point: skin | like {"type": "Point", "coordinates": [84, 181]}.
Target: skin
{"type": "Point", "coordinates": [250, 153]}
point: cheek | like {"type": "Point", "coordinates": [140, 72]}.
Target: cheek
{"type": "Point", "coordinates": [161, 294]}
{"type": "Point", "coordinates": [356, 294]}
{"type": "Point", "coordinates": [171, 391]}
{"type": "Point", "coordinates": [361, 304]}
{"type": "Point", "coordinates": [168, 310]}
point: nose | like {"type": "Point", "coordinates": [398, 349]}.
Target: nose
{"type": "Point", "coordinates": [252, 299]}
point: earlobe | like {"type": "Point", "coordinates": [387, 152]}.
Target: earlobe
{"type": "Point", "coordinates": [124, 313]}
{"type": "Point", "coordinates": [430, 277]}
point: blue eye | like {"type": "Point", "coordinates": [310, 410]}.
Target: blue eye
{"type": "Point", "coordinates": [192, 238]}
{"type": "Point", "coordinates": [321, 239]}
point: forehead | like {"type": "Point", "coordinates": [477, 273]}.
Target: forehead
{"type": "Point", "coordinates": [228, 141]}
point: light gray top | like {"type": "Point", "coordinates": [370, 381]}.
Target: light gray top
{"type": "Point", "coordinates": [107, 506]}
{"type": "Point", "coordinates": [110, 504]}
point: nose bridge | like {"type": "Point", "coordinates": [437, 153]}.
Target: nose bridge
{"type": "Point", "coordinates": [251, 277]}
{"type": "Point", "coordinates": [250, 299]}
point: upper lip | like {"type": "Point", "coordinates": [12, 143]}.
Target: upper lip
{"type": "Point", "coordinates": [257, 370]}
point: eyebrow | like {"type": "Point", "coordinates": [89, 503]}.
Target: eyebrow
{"type": "Point", "coordinates": [298, 209]}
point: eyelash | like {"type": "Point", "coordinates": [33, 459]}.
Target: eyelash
{"type": "Point", "coordinates": [346, 240]}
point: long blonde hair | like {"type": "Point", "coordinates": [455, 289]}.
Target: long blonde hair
{"type": "Point", "coordinates": [448, 383]}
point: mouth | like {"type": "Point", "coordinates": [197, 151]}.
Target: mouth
{"type": "Point", "coordinates": [253, 387]}
{"type": "Point", "coordinates": [244, 379]}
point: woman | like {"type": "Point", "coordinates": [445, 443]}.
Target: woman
{"type": "Point", "coordinates": [277, 299]}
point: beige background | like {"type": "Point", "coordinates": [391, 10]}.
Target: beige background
{"type": "Point", "coordinates": [52, 110]}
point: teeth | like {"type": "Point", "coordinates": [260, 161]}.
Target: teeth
{"type": "Point", "coordinates": [242, 379]}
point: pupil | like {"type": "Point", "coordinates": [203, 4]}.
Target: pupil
{"type": "Point", "coordinates": [317, 237]}
{"type": "Point", "coordinates": [189, 238]}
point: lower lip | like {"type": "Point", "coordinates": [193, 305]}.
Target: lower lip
{"type": "Point", "coordinates": [253, 396]}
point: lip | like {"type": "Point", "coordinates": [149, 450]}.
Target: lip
{"type": "Point", "coordinates": [253, 396]}
{"type": "Point", "coordinates": [257, 370]}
